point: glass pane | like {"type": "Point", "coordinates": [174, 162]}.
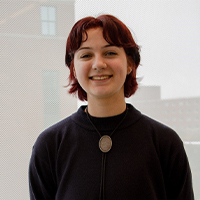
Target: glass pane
{"type": "Point", "coordinates": [51, 97]}
{"type": "Point", "coordinates": [52, 28]}
{"type": "Point", "coordinates": [45, 30]}
{"type": "Point", "coordinates": [44, 13]}
{"type": "Point", "coordinates": [51, 14]}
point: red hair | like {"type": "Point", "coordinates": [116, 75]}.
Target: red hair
{"type": "Point", "coordinates": [115, 33]}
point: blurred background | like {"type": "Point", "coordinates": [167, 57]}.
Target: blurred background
{"type": "Point", "coordinates": [33, 75]}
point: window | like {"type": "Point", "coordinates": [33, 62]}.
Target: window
{"type": "Point", "coordinates": [51, 97]}
{"type": "Point", "coordinates": [48, 20]}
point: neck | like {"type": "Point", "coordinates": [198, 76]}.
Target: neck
{"type": "Point", "coordinates": [106, 107]}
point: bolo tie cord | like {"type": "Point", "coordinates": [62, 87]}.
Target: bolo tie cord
{"type": "Point", "coordinates": [103, 168]}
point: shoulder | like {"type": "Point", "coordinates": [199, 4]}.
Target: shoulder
{"type": "Point", "coordinates": [167, 142]}
{"type": "Point", "coordinates": [51, 138]}
{"type": "Point", "coordinates": [148, 124]}
{"type": "Point", "coordinates": [56, 130]}
{"type": "Point", "coordinates": [161, 130]}
{"type": "Point", "coordinates": [163, 136]}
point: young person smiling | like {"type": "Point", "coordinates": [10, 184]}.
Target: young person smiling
{"type": "Point", "coordinates": [101, 70]}
{"type": "Point", "coordinates": [108, 149]}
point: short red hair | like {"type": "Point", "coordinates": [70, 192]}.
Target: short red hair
{"type": "Point", "coordinates": [115, 33]}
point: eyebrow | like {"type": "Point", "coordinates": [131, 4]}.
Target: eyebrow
{"type": "Point", "coordinates": [108, 45]}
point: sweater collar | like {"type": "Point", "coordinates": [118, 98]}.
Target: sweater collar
{"type": "Point", "coordinates": [107, 123]}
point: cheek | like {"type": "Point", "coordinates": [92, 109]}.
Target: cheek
{"type": "Point", "coordinates": [81, 72]}
{"type": "Point", "coordinates": [121, 68]}
{"type": "Point", "coordinates": [77, 68]}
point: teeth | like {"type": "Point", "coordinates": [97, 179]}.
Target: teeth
{"type": "Point", "coordinates": [100, 77]}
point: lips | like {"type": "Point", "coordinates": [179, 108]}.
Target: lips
{"type": "Point", "coordinates": [102, 77]}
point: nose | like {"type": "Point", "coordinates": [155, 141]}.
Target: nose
{"type": "Point", "coordinates": [99, 63]}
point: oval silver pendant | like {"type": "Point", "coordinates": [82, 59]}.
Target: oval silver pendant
{"type": "Point", "coordinates": [105, 143]}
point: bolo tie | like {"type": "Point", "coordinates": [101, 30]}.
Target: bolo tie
{"type": "Point", "coordinates": [105, 145]}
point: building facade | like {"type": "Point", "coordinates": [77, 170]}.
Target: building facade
{"type": "Point", "coordinates": [182, 114]}
{"type": "Point", "coordinates": [33, 77]}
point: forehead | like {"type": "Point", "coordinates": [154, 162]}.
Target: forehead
{"type": "Point", "coordinates": [93, 38]}
{"type": "Point", "coordinates": [92, 32]}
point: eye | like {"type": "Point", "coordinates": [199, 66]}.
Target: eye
{"type": "Point", "coordinates": [110, 53]}
{"type": "Point", "coordinates": [85, 56]}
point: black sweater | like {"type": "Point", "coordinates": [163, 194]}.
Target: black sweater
{"type": "Point", "coordinates": [147, 161]}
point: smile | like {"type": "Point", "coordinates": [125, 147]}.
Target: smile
{"type": "Point", "coordinates": [100, 77]}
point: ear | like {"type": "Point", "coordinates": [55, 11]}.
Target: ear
{"type": "Point", "coordinates": [129, 70]}
{"type": "Point", "coordinates": [129, 65]}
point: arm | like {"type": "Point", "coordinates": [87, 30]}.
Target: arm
{"type": "Point", "coordinates": [176, 169]}
{"type": "Point", "coordinates": [42, 185]}
{"type": "Point", "coordinates": [179, 186]}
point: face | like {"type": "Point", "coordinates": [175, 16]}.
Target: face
{"type": "Point", "coordinates": [100, 68]}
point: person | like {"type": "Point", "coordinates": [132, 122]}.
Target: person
{"type": "Point", "coordinates": [107, 150]}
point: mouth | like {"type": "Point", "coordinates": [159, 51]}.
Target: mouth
{"type": "Point", "coordinates": [102, 77]}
